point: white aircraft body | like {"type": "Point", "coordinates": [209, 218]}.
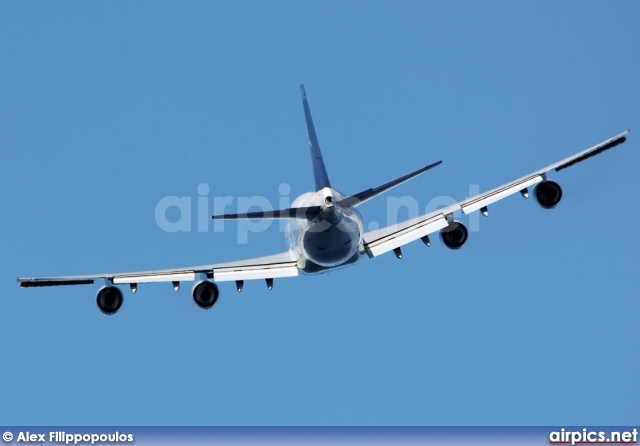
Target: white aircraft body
{"type": "Point", "coordinates": [325, 232]}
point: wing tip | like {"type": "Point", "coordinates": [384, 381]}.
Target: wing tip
{"type": "Point", "coordinates": [596, 150]}
{"type": "Point", "coordinates": [302, 92]}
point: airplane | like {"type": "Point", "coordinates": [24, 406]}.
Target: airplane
{"type": "Point", "coordinates": [325, 231]}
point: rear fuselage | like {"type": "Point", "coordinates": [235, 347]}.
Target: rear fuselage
{"type": "Point", "coordinates": [331, 239]}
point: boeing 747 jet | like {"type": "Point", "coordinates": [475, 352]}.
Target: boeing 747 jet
{"type": "Point", "coordinates": [325, 232]}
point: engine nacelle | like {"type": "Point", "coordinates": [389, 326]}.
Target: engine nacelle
{"type": "Point", "coordinates": [548, 194]}
{"type": "Point", "coordinates": [205, 294]}
{"type": "Point", "coordinates": [455, 235]}
{"type": "Point", "coordinates": [109, 299]}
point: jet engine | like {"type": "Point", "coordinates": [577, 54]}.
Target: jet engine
{"type": "Point", "coordinates": [205, 294]}
{"type": "Point", "coordinates": [455, 235]}
{"type": "Point", "coordinates": [548, 194]}
{"type": "Point", "coordinates": [109, 299]}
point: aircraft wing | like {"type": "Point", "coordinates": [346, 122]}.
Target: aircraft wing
{"type": "Point", "coordinates": [270, 267]}
{"type": "Point", "coordinates": [392, 237]}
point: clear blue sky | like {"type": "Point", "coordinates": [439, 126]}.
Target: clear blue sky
{"type": "Point", "coordinates": [107, 107]}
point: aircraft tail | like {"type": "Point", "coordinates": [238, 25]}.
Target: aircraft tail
{"type": "Point", "coordinates": [319, 171]}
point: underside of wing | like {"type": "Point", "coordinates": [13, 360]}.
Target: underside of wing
{"type": "Point", "coordinates": [205, 292]}
{"type": "Point", "coordinates": [270, 267]}
{"type": "Point", "coordinates": [394, 236]}
{"type": "Point", "coordinates": [547, 193]}
{"type": "Point", "coordinates": [171, 275]}
{"type": "Point", "coordinates": [274, 266]}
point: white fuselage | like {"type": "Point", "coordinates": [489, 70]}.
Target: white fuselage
{"type": "Point", "coordinates": [330, 240]}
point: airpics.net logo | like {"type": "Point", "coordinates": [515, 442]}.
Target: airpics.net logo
{"type": "Point", "coordinates": [587, 436]}
{"type": "Point", "coordinates": [193, 213]}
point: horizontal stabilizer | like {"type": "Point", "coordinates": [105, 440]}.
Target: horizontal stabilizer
{"type": "Point", "coordinates": [358, 199]}
{"type": "Point", "coordinates": [308, 213]}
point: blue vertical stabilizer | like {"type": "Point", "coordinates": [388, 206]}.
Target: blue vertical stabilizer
{"type": "Point", "coordinates": [319, 171]}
